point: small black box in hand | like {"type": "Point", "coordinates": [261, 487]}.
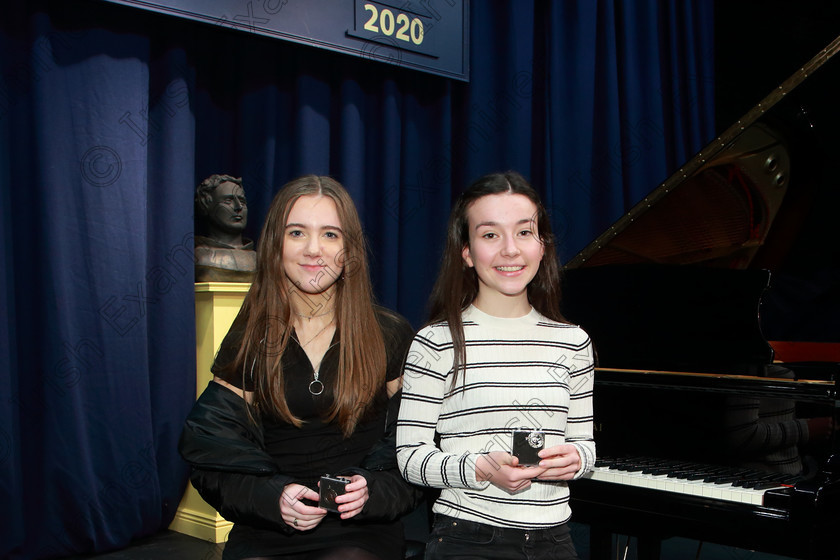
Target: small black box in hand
{"type": "Point", "coordinates": [330, 488]}
{"type": "Point", "coordinates": [527, 443]}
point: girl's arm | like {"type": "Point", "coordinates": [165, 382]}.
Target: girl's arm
{"type": "Point", "coordinates": [230, 470]}
{"type": "Point", "coordinates": [420, 459]}
{"type": "Point", "coordinates": [577, 456]}
{"type": "Point", "coordinates": [389, 495]}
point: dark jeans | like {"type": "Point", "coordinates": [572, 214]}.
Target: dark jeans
{"type": "Point", "coordinates": [456, 539]}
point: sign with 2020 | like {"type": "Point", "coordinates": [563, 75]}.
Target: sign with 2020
{"type": "Point", "coordinates": [426, 35]}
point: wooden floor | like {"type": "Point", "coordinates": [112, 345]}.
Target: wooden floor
{"type": "Point", "coordinates": [167, 545]}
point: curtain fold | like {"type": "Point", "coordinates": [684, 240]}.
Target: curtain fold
{"type": "Point", "coordinates": [110, 116]}
{"type": "Point", "coordinates": [103, 323]}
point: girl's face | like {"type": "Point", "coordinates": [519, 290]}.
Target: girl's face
{"type": "Point", "coordinates": [503, 248]}
{"type": "Point", "coordinates": [313, 245]}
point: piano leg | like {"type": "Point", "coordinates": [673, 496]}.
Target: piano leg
{"type": "Point", "coordinates": [648, 547]}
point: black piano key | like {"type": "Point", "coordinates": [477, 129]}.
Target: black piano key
{"type": "Point", "coordinates": [762, 480]}
{"type": "Point", "coordinates": [694, 476]}
{"type": "Point", "coordinates": [682, 474]}
{"type": "Point", "coordinates": [767, 485]}
{"type": "Point", "coordinates": [722, 479]}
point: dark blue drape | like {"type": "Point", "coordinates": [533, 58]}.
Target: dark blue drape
{"type": "Point", "coordinates": [109, 116]}
{"type": "Point", "coordinates": [596, 102]}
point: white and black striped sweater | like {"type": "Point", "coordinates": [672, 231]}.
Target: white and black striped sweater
{"type": "Point", "coordinates": [523, 372]}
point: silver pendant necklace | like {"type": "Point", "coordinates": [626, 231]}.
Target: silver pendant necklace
{"type": "Point", "coordinates": [316, 387]}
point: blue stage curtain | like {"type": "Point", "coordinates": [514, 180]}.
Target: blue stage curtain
{"type": "Point", "coordinates": [98, 285]}
{"type": "Point", "coordinates": [109, 116]}
{"type": "Point", "coordinates": [596, 102]}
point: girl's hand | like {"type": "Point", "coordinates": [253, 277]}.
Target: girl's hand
{"type": "Point", "coordinates": [559, 462]}
{"type": "Point", "coordinates": [502, 470]}
{"type": "Point", "coordinates": [354, 498]}
{"type": "Point", "coordinates": [297, 514]}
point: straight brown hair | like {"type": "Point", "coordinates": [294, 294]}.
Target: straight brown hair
{"type": "Point", "coordinates": [362, 358]}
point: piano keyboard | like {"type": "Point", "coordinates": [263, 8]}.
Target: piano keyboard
{"type": "Point", "coordinates": [708, 481]}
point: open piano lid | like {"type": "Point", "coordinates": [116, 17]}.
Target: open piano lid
{"type": "Point", "coordinates": [718, 208]}
{"type": "Point", "coordinates": [677, 282]}
{"type": "Point", "coordinates": [670, 296]}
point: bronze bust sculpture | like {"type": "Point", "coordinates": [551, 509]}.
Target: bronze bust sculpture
{"type": "Point", "coordinates": [223, 254]}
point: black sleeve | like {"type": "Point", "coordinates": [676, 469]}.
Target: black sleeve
{"type": "Point", "coordinates": [243, 498]}
{"type": "Point", "coordinates": [224, 364]}
{"type": "Point", "coordinates": [397, 334]}
{"type": "Point", "coordinates": [390, 495]}
{"type": "Point", "coordinates": [230, 468]}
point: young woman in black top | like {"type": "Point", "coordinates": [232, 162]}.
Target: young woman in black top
{"type": "Point", "coordinates": [305, 384]}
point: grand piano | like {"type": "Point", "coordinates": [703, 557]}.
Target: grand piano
{"type": "Point", "coordinates": [706, 429]}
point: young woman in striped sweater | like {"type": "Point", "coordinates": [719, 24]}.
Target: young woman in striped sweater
{"type": "Point", "coordinates": [496, 357]}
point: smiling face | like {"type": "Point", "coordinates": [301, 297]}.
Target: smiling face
{"type": "Point", "coordinates": [313, 244]}
{"type": "Point", "coordinates": [505, 251]}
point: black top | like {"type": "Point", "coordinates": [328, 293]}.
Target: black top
{"type": "Point", "coordinates": [318, 448]}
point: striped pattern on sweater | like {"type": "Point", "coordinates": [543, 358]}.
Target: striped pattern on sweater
{"type": "Point", "coordinates": [524, 372]}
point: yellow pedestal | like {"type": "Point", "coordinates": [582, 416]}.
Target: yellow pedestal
{"type": "Point", "coordinates": [216, 306]}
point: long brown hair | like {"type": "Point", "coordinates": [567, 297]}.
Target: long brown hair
{"type": "Point", "coordinates": [457, 284]}
{"type": "Point", "coordinates": [362, 359]}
